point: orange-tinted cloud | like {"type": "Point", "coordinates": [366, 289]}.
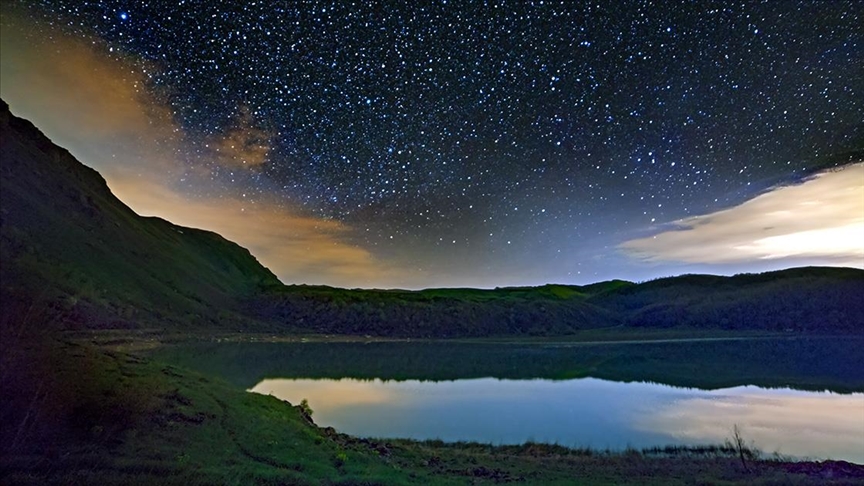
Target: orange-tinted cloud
{"type": "Point", "coordinates": [80, 97]}
{"type": "Point", "coordinates": [97, 107]}
{"type": "Point", "coordinates": [332, 395]}
{"type": "Point", "coordinates": [298, 249]}
{"type": "Point", "coordinates": [244, 146]}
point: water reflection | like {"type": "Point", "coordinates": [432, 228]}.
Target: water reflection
{"type": "Point", "coordinates": [584, 412]}
{"type": "Point", "coordinates": [824, 425]}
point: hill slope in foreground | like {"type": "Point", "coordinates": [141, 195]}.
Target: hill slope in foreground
{"type": "Point", "coordinates": [68, 242]}
{"type": "Point", "coordinates": [73, 256]}
{"type": "Point", "coordinates": [66, 238]}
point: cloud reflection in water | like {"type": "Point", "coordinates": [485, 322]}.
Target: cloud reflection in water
{"type": "Point", "coordinates": [791, 422]}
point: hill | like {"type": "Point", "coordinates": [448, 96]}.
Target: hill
{"type": "Point", "coordinates": [814, 299]}
{"type": "Point", "coordinates": [436, 313]}
{"type": "Point", "coordinates": [68, 242]}
{"type": "Point", "coordinates": [69, 245]}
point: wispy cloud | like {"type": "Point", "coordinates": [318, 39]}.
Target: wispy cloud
{"type": "Point", "coordinates": [243, 146]}
{"type": "Point", "coordinates": [93, 106]}
{"type": "Point", "coordinates": [820, 219]}
{"type": "Point", "coordinates": [297, 248]}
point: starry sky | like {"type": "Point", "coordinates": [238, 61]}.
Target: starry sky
{"type": "Point", "coordinates": [419, 144]}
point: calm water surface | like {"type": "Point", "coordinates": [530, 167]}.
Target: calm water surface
{"type": "Point", "coordinates": [512, 393]}
{"type": "Point", "coordinates": [584, 412]}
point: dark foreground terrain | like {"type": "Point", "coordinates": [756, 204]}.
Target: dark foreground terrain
{"type": "Point", "coordinates": [77, 414]}
{"type": "Point", "coordinates": [75, 260]}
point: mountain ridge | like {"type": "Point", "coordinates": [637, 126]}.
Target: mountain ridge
{"type": "Point", "coordinates": [68, 243]}
{"type": "Point", "coordinates": [60, 224]}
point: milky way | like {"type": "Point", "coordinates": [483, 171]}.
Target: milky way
{"type": "Point", "coordinates": [517, 141]}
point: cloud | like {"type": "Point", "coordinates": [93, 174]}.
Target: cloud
{"type": "Point", "coordinates": [244, 146]}
{"type": "Point", "coordinates": [297, 248]}
{"type": "Point", "coordinates": [85, 101]}
{"type": "Point", "coordinates": [821, 220]}
{"type": "Point", "coordinates": [45, 70]}
{"type": "Point", "coordinates": [98, 108]}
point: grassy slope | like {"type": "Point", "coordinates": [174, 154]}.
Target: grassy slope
{"type": "Point", "coordinates": [447, 313]}
{"type": "Point", "coordinates": [814, 299]}
{"type": "Point", "coordinates": [66, 238]}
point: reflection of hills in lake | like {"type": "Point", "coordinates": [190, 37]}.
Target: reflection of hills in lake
{"type": "Point", "coordinates": [803, 363]}
{"type": "Point", "coordinates": [585, 412]}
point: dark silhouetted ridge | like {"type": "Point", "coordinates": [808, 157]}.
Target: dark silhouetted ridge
{"type": "Point", "coordinates": [67, 240]}
{"type": "Point", "coordinates": [814, 299]}
{"type": "Point", "coordinates": [67, 243]}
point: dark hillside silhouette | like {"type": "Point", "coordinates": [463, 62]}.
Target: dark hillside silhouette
{"type": "Point", "coordinates": [69, 245]}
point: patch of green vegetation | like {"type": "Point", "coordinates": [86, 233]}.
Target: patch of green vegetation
{"type": "Point", "coordinates": [810, 300]}
{"type": "Point", "coordinates": [67, 239]}
{"type": "Point", "coordinates": [434, 313]}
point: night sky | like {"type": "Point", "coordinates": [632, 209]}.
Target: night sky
{"type": "Point", "coordinates": [416, 144]}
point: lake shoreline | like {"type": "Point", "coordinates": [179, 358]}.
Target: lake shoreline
{"type": "Point", "coordinates": [199, 429]}
{"type": "Point", "coordinates": [588, 414]}
{"type": "Point", "coordinates": [145, 339]}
